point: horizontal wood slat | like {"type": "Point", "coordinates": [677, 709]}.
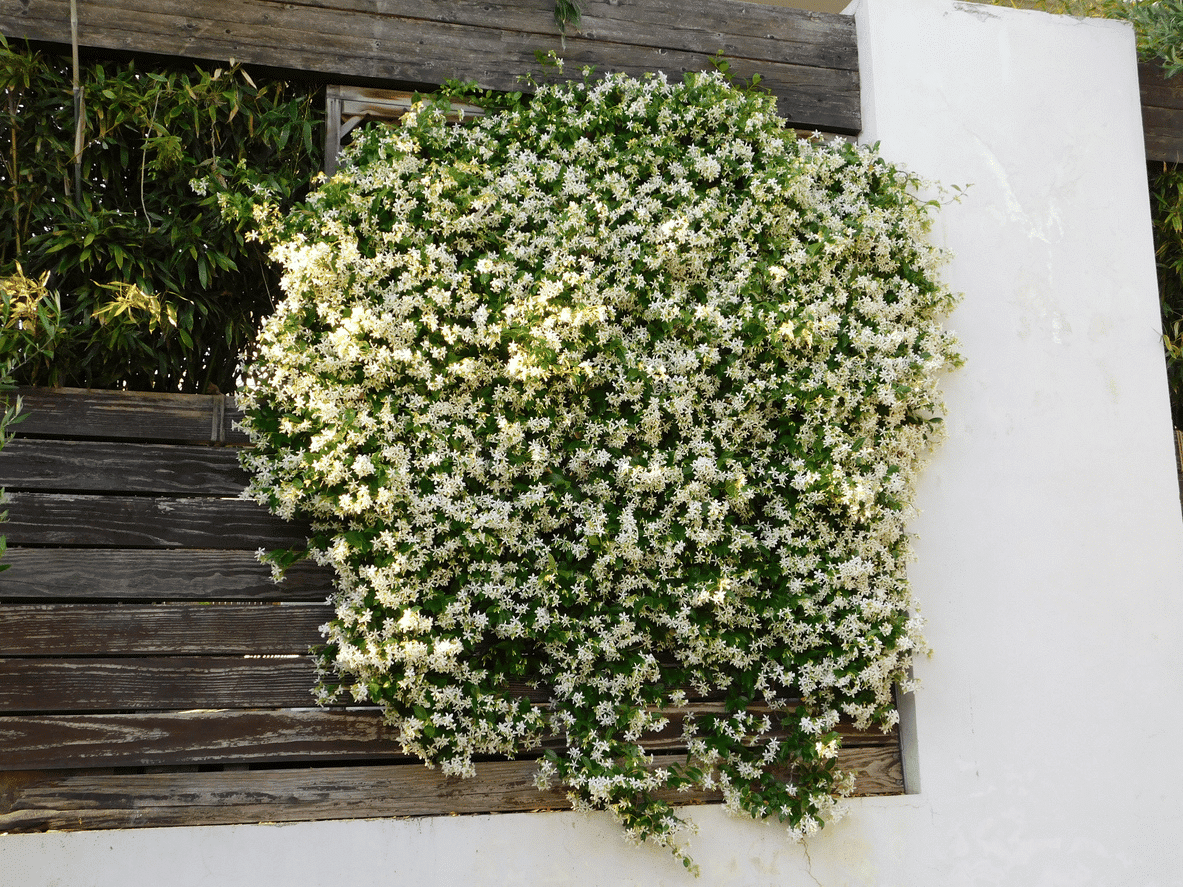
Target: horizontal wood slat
{"type": "Point", "coordinates": [1158, 91]}
{"type": "Point", "coordinates": [50, 742]}
{"type": "Point", "coordinates": [47, 742]}
{"type": "Point", "coordinates": [1162, 113]}
{"type": "Point", "coordinates": [81, 685]}
{"type": "Point", "coordinates": [168, 683]}
{"type": "Point", "coordinates": [98, 466]}
{"type": "Point", "coordinates": [138, 521]}
{"type": "Point", "coordinates": [169, 629]}
{"type": "Point", "coordinates": [48, 574]}
{"type": "Point", "coordinates": [159, 641]}
{"type": "Point", "coordinates": [127, 801]}
{"type": "Point", "coordinates": [124, 415]}
{"type": "Point", "coordinates": [35, 801]}
{"type": "Point", "coordinates": [808, 60]}
{"type": "Point", "coordinates": [740, 30]}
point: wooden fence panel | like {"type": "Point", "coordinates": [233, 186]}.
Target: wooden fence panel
{"type": "Point", "coordinates": [137, 630]}
{"type": "Point", "coordinates": [809, 61]}
{"type": "Point", "coordinates": [1162, 113]}
{"type": "Point", "coordinates": [243, 736]}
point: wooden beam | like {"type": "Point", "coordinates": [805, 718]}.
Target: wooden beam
{"type": "Point", "coordinates": [101, 466]}
{"type": "Point", "coordinates": [69, 801]}
{"type": "Point", "coordinates": [160, 629]}
{"type": "Point", "coordinates": [71, 574]}
{"type": "Point", "coordinates": [161, 683]}
{"type": "Point", "coordinates": [808, 60]}
{"type": "Point", "coordinates": [52, 741]}
{"type": "Point", "coordinates": [1162, 113]}
{"type": "Point", "coordinates": [117, 657]}
{"type": "Point", "coordinates": [146, 521]}
{"type": "Point", "coordinates": [125, 415]}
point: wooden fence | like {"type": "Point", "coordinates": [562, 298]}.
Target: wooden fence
{"type": "Point", "coordinates": [808, 60]}
{"type": "Point", "coordinates": [151, 674]}
{"type": "Point", "coordinates": [1162, 113]}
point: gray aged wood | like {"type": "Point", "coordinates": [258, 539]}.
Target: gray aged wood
{"type": "Point", "coordinates": [126, 415]}
{"type": "Point", "coordinates": [35, 801]}
{"type": "Point", "coordinates": [1162, 113]}
{"type": "Point", "coordinates": [138, 631]}
{"type": "Point", "coordinates": [48, 742]}
{"type": "Point", "coordinates": [809, 61]}
{"type": "Point", "coordinates": [101, 466]}
{"type": "Point", "coordinates": [160, 522]}
{"type": "Point", "coordinates": [166, 682]}
{"type": "Point", "coordinates": [164, 629]}
{"type": "Point", "coordinates": [65, 574]}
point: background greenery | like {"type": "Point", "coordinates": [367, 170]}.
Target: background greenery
{"type": "Point", "coordinates": [136, 280]}
{"type": "Point", "coordinates": [139, 282]}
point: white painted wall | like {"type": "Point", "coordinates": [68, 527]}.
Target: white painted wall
{"type": "Point", "coordinates": [1051, 553]}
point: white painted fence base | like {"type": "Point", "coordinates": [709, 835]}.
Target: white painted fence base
{"type": "Point", "coordinates": [1051, 552]}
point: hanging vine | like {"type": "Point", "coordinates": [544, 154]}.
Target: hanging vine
{"type": "Point", "coordinates": [621, 390]}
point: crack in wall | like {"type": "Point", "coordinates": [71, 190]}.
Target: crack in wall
{"type": "Point", "coordinates": [809, 863]}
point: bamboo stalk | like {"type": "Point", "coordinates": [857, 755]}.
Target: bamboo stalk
{"type": "Point", "coordinates": [79, 120]}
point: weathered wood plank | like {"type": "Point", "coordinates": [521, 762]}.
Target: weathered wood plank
{"type": "Point", "coordinates": [98, 466]}
{"type": "Point", "coordinates": [47, 574]}
{"type": "Point", "coordinates": [234, 734]}
{"type": "Point", "coordinates": [146, 521]}
{"type": "Point", "coordinates": [808, 98]}
{"type": "Point", "coordinates": [37, 801]}
{"type": "Point", "coordinates": [81, 685]}
{"type": "Point", "coordinates": [1158, 91]}
{"type": "Point", "coordinates": [739, 30]}
{"type": "Point", "coordinates": [1162, 113]}
{"type": "Point", "coordinates": [124, 415]}
{"type": "Point", "coordinates": [172, 683]}
{"type": "Point", "coordinates": [167, 629]}
{"type": "Point", "coordinates": [806, 38]}
{"type": "Point", "coordinates": [409, 42]}
{"type": "Point", "coordinates": [50, 742]}
{"type": "Point", "coordinates": [169, 683]}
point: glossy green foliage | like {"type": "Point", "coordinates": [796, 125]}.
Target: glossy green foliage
{"type": "Point", "coordinates": [148, 286]}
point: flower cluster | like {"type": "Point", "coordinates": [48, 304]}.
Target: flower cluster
{"type": "Point", "coordinates": [604, 403]}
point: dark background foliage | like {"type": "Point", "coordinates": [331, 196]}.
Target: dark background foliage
{"type": "Point", "coordinates": [148, 286]}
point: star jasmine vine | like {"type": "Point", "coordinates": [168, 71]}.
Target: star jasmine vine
{"type": "Point", "coordinates": [606, 403]}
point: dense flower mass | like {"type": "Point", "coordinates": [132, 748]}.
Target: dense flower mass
{"type": "Point", "coordinates": [604, 402]}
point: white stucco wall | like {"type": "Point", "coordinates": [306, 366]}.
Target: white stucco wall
{"type": "Point", "coordinates": [1050, 560]}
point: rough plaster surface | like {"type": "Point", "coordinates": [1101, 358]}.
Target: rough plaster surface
{"type": "Point", "coordinates": [1050, 559]}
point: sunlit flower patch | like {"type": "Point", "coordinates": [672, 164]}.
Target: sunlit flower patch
{"type": "Point", "coordinates": [621, 390]}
